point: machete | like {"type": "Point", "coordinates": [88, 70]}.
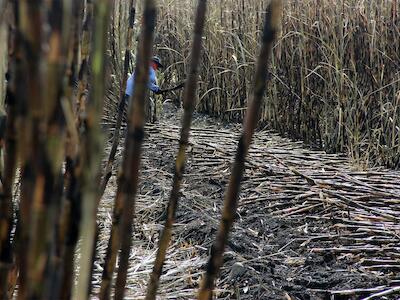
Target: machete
{"type": "Point", "coordinates": [179, 86]}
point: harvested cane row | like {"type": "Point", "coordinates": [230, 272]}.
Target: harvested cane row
{"type": "Point", "coordinates": [308, 223]}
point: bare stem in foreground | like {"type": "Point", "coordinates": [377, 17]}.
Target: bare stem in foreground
{"type": "Point", "coordinates": [128, 178]}
{"type": "Point", "coordinates": [92, 145]}
{"type": "Point", "coordinates": [122, 100]}
{"type": "Point", "coordinates": [189, 105]}
{"type": "Point", "coordinates": [215, 262]}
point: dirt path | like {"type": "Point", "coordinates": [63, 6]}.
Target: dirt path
{"type": "Point", "coordinates": [308, 226]}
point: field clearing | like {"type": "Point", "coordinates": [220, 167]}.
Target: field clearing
{"type": "Point", "coordinates": [309, 225]}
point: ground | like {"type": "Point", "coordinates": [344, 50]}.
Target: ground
{"type": "Point", "coordinates": [309, 225]}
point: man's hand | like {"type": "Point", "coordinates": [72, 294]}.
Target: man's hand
{"type": "Point", "coordinates": [179, 86]}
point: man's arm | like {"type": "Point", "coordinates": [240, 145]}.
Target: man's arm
{"type": "Point", "coordinates": [130, 85]}
{"type": "Point", "coordinates": [153, 86]}
{"type": "Point", "coordinates": [177, 87]}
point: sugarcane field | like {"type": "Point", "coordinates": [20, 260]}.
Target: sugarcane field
{"type": "Point", "coordinates": [194, 149]}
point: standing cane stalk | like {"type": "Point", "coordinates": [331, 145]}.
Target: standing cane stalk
{"type": "Point", "coordinates": [6, 201]}
{"type": "Point", "coordinates": [71, 215]}
{"type": "Point", "coordinates": [136, 120]}
{"type": "Point", "coordinates": [189, 105]}
{"type": "Point", "coordinates": [70, 212]}
{"type": "Point", "coordinates": [31, 132]}
{"type": "Point", "coordinates": [122, 100]}
{"type": "Point", "coordinates": [46, 210]}
{"type": "Point", "coordinates": [83, 76]}
{"type": "Point", "coordinates": [128, 178]}
{"type": "Point", "coordinates": [215, 262]}
{"type": "Point", "coordinates": [61, 18]}
{"type": "Point", "coordinates": [92, 146]}
{"type": "Point", "coordinates": [121, 106]}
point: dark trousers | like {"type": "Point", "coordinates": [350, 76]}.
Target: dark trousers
{"type": "Point", "coordinates": [150, 109]}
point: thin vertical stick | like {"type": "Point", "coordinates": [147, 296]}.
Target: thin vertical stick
{"type": "Point", "coordinates": [31, 127]}
{"type": "Point", "coordinates": [71, 215]}
{"type": "Point", "coordinates": [128, 179]}
{"type": "Point", "coordinates": [6, 205]}
{"type": "Point", "coordinates": [83, 76]}
{"type": "Point", "coordinates": [189, 105]}
{"type": "Point", "coordinates": [14, 97]}
{"type": "Point", "coordinates": [92, 146]}
{"type": "Point", "coordinates": [70, 212]}
{"type": "Point", "coordinates": [122, 101]}
{"type": "Point", "coordinates": [60, 20]}
{"type": "Point", "coordinates": [46, 211]}
{"type": "Point", "coordinates": [271, 26]}
{"type": "Point", "coordinates": [134, 140]}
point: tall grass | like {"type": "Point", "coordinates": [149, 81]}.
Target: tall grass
{"type": "Point", "coordinates": [335, 72]}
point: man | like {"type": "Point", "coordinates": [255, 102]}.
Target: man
{"type": "Point", "coordinates": [155, 64]}
{"type": "Point", "coordinates": [150, 108]}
